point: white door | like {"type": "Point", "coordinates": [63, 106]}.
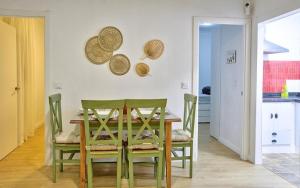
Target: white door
{"type": "Point", "coordinates": [215, 98]}
{"type": "Point", "coordinates": [232, 86]}
{"type": "Point", "coordinates": [8, 95]}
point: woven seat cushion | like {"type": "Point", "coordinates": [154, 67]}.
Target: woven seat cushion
{"type": "Point", "coordinates": [146, 146]}
{"type": "Point", "coordinates": [146, 134]}
{"type": "Point", "coordinates": [104, 135]}
{"type": "Point", "coordinates": [104, 147]}
{"type": "Point", "coordinates": [180, 135]}
{"type": "Point", "coordinates": [68, 137]}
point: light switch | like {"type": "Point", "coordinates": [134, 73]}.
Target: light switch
{"type": "Point", "coordinates": [184, 85]}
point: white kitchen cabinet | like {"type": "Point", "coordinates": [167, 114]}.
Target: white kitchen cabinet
{"type": "Point", "coordinates": [278, 127]}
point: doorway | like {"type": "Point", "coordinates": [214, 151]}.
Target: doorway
{"type": "Point", "coordinates": [27, 69]}
{"type": "Point", "coordinates": [221, 66]}
{"type": "Point", "coordinates": [278, 100]}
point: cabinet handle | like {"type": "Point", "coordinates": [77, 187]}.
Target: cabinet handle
{"type": "Point", "coordinates": [274, 134]}
{"type": "Point", "coordinates": [271, 116]}
{"type": "Point", "coordinates": [274, 141]}
{"type": "Point", "coordinates": [276, 116]}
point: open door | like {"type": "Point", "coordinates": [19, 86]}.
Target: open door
{"type": "Point", "coordinates": [232, 86]}
{"type": "Point", "coordinates": [8, 90]}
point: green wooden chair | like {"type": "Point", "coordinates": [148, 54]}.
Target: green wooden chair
{"type": "Point", "coordinates": [101, 140]}
{"type": "Point", "coordinates": [63, 142]}
{"type": "Point", "coordinates": [140, 145]}
{"type": "Point", "coordinates": [183, 138]}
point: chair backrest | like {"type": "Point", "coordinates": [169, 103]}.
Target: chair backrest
{"type": "Point", "coordinates": [55, 114]}
{"type": "Point", "coordinates": [156, 106]}
{"type": "Point", "coordinates": [113, 107]}
{"type": "Point", "coordinates": [189, 113]}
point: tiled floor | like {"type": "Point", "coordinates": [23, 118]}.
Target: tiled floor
{"type": "Point", "coordinates": [285, 165]}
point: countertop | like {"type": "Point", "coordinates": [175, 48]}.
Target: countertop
{"type": "Point", "coordinates": [275, 97]}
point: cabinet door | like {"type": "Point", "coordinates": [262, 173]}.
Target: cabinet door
{"type": "Point", "coordinates": [284, 114]}
{"type": "Point", "coordinates": [267, 123]}
{"type": "Point", "coordinates": [268, 119]}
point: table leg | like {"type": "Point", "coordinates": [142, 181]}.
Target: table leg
{"type": "Point", "coordinates": [82, 156]}
{"type": "Point", "coordinates": [168, 132]}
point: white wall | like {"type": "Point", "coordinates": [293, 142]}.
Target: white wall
{"type": "Point", "coordinates": [285, 32]}
{"type": "Point", "coordinates": [205, 58]}
{"type": "Point", "coordinates": [264, 10]}
{"type": "Point", "coordinates": [72, 22]}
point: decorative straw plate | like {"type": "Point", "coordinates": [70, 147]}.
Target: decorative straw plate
{"type": "Point", "coordinates": [153, 49]}
{"type": "Point", "coordinates": [110, 39]}
{"type": "Point", "coordinates": [119, 64]}
{"type": "Point", "coordinates": [142, 69]}
{"type": "Point", "coordinates": [94, 53]}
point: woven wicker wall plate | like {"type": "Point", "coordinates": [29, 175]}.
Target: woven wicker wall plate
{"type": "Point", "coordinates": [110, 38]}
{"type": "Point", "coordinates": [153, 49]}
{"type": "Point", "coordinates": [142, 69]}
{"type": "Point", "coordinates": [119, 64]}
{"type": "Point", "coordinates": [94, 53]}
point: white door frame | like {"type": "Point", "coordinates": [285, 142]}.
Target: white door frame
{"type": "Point", "coordinates": [45, 14]}
{"type": "Point", "coordinates": [259, 85]}
{"type": "Point", "coordinates": [195, 72]}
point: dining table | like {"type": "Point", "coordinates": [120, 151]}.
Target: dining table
{"type": "Point", "coordinates": [170, 118]}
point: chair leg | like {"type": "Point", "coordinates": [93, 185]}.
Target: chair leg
{"type": "Point", "coordinates": [119, 169]}
{"type": "Point", "coordinates": [130, 161]}
{"type": "Point", "coordinates": [123, 163]}
{"type": "Point", "coordinates": [126, 164]}
{"type": "Point", "coordinates": [183, 155]}
{"type": "Point", "coordinates": [61, 157]}
{"type": "Point", "coordinates": [163, 164]}
{"type": "Point", "coordinates": [89, 170]}
{"type": "Point", "coordinates": [155, 166]}
{"type": "Point", "coordinates": [53, 164]}
{"type": "Point", "coordinates": [159, 169]}
{"type": "Point", "coordinates": [191, 160]}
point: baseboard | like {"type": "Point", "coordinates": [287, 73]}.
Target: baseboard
{"type": "Point", "coordinates": [230, 145]}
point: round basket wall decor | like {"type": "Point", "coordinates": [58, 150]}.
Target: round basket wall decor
{"type": "Point", "coordinates": [94, 53]}
{"type": "Point", "coordinates": [142, 69]}
{"type": "Point", "coordinates": [153, 49]}
{"type": "Point", "coordinates": [110, 38]}
{"type": "Point", "coordinates": [119, 64]}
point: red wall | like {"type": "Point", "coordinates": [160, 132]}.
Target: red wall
{"type": "Point", "coordinates": [276, 72]}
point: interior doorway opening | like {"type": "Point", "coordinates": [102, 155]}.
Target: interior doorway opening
{"type": "Point", "coordinates": [278, 91]}
{"type": "Point", "coordinates": [221, 79]}
{"type": "Point", "coordinates": [27, 69]}
{"type": "Point", "coordinates": [221, 82]}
